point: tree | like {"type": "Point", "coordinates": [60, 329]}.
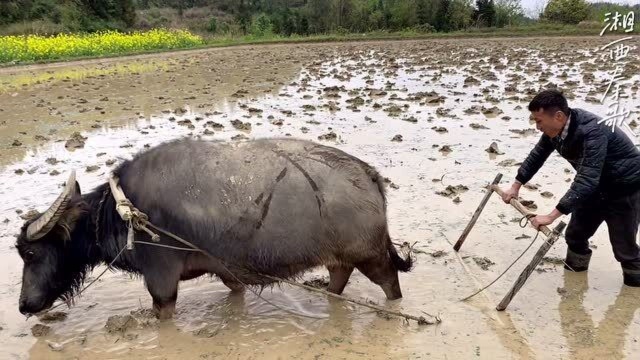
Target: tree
{"type": "Point", "coordinates": [567, 11]}
{"type": "Point", "coordinates": [10, 11]}
{"type": "Point", "coordinates": [485, 13]}
{"type": "Point", "coordinates": [318, 12]}
{"type": "Point", "coordinates": [508, 12]}
{"type": "Point", "coordinates": [303, 25]}
{"type": "Point", "coordinates": [442, 16]}
{"type": "Point", "coordinates": [213, 25]}
{"type": "Point", "coordinates": [128, 12]}
{"type": "Point", "coordinates": [261, 25]}
{"type": "Point", "coordinates": [403, 14]}
{"type": "Point", "coordinates": [460, 14]}
{"type": "Point", "coordinates": [598, 10]}
{"type": "Point", "coordinates": [243, 15]}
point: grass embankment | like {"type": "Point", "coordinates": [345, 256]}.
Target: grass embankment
{"type": "Point", "coordinates": [521, 31]}
{"type": "Point", "coordinates": [38, 49]}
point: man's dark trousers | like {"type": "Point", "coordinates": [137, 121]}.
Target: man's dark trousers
{"type": "Point", "coordinates": [622, 215]}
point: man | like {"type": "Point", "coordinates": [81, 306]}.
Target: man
{"type": "Point", "coordinates": [606, 187]}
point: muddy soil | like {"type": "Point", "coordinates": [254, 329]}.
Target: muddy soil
{"type": "Point", "coordinates": [423, 112]}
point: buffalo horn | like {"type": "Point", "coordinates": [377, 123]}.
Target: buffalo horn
{"type": "Point", "coordinates": [43, 224]}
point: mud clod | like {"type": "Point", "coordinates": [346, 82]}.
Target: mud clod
{"type": "Point", "coordinates": [493, 149]}
{"type": "Point", "coordinates": [246, 126]}
{"type": "Point", "coordinates": [529, 204]}
{"type": "Point", "coordinates": [329, 136]}
{"type": "Point", "coordinates": [208, 331]}
{"type": "Point", "coordinates": [483, 262]}
{"type": "Point", "coordinates": [40, 330]}
{"type": "Point", "coordinates": [438, 254]}
{"type": "Point", "coordinates": [53, 316]}
{"type": "Point", "coordinates": [120, 323]}
{"type": "Point", "coordinates": [76, 141]}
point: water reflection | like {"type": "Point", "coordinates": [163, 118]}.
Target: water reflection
{"type": "Point", "coordinates": [585, 338]}
{"type": "Point", "coordinates": [229, 329]}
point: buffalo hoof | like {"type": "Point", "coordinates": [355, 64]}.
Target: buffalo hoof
{"type": "Point", "coordinates": [164, 312]}
{"type": "Point", "coordinates": [392, 291]}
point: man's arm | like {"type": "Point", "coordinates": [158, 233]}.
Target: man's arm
{"type": "Point", "coordinates": [589, 171]}
{"type": "Point", "coordinates": [535, 160]}
{"type": "Point", "coordinates": [530, 166]}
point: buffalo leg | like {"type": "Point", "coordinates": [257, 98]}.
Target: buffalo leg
{"type": "Point", "coordinates": [380, 270]}
{"type": "Point", "coordinates": [338, 278]}
{"type": "Point", "coordinates": [233, 285]}
{"type": "Point", "coordinates": [164, 292]}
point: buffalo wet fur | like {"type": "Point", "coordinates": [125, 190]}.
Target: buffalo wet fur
{"type": "Point", "coordinates": [271, 206]}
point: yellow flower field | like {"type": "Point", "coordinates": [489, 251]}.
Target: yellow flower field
{"type": "Point", "coordinates": [35, 47]}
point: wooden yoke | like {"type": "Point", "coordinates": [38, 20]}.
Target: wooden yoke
{"type": "Point", "coordinates": [477, 213]}
{"type": "Point", "coordinates": [523, 210]}
{"type": "Point", "coordinates": [552, 237]}
{"type": "Point", "coordinates": [524, 275]}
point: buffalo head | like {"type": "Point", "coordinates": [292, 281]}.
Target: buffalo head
{"type": "Point", "coordinates": [51, 267]}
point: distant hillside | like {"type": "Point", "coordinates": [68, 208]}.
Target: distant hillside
{"type": "Point", "coordinates": [52, 16]}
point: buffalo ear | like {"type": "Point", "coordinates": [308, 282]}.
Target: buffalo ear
{"type": "Point", "coordinates": [75, 210]}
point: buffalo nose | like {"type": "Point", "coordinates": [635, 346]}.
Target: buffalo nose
{"type": "Point", "coordinates": [22, 306]}
{"type": "Point", "coordinates": [26, 307]}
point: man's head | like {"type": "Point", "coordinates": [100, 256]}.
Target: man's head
{"type": "Point", "coordinates": [550, 111]}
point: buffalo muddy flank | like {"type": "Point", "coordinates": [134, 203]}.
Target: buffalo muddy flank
{"type": "Point", "coordinates": [435, 120]}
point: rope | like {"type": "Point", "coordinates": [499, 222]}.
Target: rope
{"type": "Point", "coordinates": [144, 223]}
{"type": "Point", "coordinates": [528, 218]}
{"type": "Point", "coordinates": [92, 282]}
{"type": "Point", "coordinates": [97, 220]}
{"type": "Point", "coordinates": [420, 319]}
{"type": "Point", "coordinates": [166, 246]}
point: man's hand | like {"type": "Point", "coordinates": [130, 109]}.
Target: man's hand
{"type": "Point", "coordinates": [540, 220]}
{"type": "Point", "coordinates": [511, 193]}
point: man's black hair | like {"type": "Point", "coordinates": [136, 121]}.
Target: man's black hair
{"type": "Point", "coordinates": [550, 101]}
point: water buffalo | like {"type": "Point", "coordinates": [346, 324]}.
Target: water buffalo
{"type": "Point", "coordinates": [267, 206]}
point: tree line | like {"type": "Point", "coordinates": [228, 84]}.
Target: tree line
{"type": "Point", "coordinates": [75, 15]}
{"type": "Point", "coordinates": [304, 17]}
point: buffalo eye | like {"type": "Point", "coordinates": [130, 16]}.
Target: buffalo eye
{"type": "Point", "coordinates": [28, 255]}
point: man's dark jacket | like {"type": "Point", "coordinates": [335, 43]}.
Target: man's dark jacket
{"type": "Point", "coordinates": [607, 162]}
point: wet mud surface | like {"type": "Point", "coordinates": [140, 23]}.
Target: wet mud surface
{"type": "Point", "coordinates": [438, 118]}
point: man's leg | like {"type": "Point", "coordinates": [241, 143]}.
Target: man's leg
{"type": "Point", "coordinates": [622, 217]}
{"type": "Point", "coordinates": [584, 222]}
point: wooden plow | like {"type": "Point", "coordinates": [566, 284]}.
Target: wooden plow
{"type": "Point", "coordinates": [552, 236]}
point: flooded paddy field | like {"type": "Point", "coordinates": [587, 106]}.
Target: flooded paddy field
{"type": "Point", "coordinates": [438, 118]}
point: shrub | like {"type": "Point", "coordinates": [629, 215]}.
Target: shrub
{"type": "Point", "coordinates": [424, 28]}
{"type": "Point", "coordinates": [261, 25]}
{"type": "Point", "coordinates": [213, 25]}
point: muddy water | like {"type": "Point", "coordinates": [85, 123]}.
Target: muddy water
{"type": "Point", "coordinates": [464, 93]}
